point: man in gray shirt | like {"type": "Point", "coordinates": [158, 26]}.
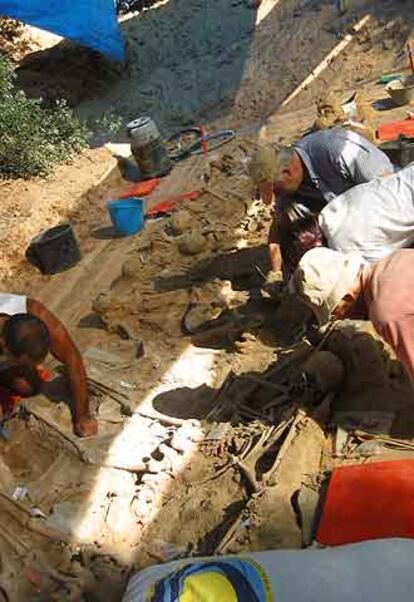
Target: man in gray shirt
{"type": "Point", "coordinates": [305, 177]}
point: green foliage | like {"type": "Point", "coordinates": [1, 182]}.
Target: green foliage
{"type": "Point", "coordinates": [109, 123]}
{"type": "Point", "coordinates": [6, 78]}
{"type": "Point", "coordinates": [33, 138]}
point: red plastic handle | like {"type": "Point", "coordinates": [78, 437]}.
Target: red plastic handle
{"type": "Point", "coordinates": [168, 205]}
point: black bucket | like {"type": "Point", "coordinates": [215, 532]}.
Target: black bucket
{"type": "Point", "coordinates": [54, 250]}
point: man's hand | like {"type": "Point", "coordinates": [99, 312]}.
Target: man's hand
{"type": "Point", "coordinates": [274, 285]}
{"type": "Point", "coordinates": [86, 427]}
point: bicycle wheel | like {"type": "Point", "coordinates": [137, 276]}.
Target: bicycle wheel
{"type": "Point", "coordinates": [214, 140]}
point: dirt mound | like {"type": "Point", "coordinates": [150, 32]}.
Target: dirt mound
{"type": "Point", "coordinates": [133, 302]}
{"type": "Point", "coordinates": [27, 208]}
{"type": "Point", "coordinates": [67, 71]}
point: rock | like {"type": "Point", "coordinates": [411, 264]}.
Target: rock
{"type": "Point", "coordinates": [208, 301]}
{"type": "Point", "coordinates": [198, 315]}
{"type": "Point", "coordinates": [329, 110]}
{"type": "Point", "coordinates": [216, 162]}
{"type": "Point", "coordinates": [181, 221]}
{"type": "Point", "coordinates": [364, 108]}
{"type": "Point", "coordinates": [102, 303]}
{"type": "Point", "coordinates": [227, 298]}
{"type": "Point", "coordinates": [327, 370]}
{"type": "Point", "coordinates": [131, 268]}
{"type": "Point", "coordinates": [109, 302]}
{"type": "Point", "coordinates": [192, 243]}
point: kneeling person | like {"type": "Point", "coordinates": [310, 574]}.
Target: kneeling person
{"type": "Point", "coordinates": [28, 332]}
{"type": "Point", "coordinates": [303, 179]}
{"type": "Point", "coordinates": [337, 286]}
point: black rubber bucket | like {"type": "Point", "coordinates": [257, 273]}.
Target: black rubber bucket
{"type": "Point", "coordinates": [54, 250]}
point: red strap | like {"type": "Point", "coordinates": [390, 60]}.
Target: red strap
{"type": "Point", "coordinates": [204, 145]}
{"type": "Point", "coordinates": [140, 188]}
{"type": "Point", "coordinates": [168, 205]}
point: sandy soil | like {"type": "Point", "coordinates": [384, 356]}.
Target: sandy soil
{"type": "Point", "coordinates": [189, 61]}
{"type": "Point", "coordinates": [160, 483]}
{"type": "Point", "coordinates": [28, 207]}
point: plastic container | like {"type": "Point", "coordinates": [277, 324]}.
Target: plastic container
{"type": "Point", "coordinates": [389, 77]}
{"type": "Point", "coordinates": [402, 91]}
{"type": "Point", "coordinates": [148, 148]}
{"type": "Point", "coordinates": [360, 503]}
{"type": "Point", "coordinates": [400, 152]}
{"type": "Point", "coordinates": [54, 250]}
{"type": "Point", "coordinates": [393, 129]}
{"type": "Point", "coordinates": [127, 215]}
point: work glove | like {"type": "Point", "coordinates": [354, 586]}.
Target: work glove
{"type": "Point", "coordinates": [274, 285]}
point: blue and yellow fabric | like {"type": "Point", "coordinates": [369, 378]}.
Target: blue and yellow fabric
{"type": "Point", "coordinates": [230, 580]}
{"type": "Point", "coordinates": [340, 574]}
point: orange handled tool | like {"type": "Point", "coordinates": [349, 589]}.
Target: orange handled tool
{"type": "Point", "coordinates": [168, 205]}
{"type": "Point", "coordinates": [139, 189]}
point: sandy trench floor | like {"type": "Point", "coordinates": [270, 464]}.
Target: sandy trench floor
{"type": "Point", "coordinates": [150, 487]}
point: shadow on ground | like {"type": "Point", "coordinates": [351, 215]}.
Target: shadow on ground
{"type": "Point", "coordinates": [191, 61]}
{"type": "Point", "coordinates": [245, 268]}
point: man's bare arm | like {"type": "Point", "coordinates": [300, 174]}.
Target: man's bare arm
{"type": "Point", "coordinates": [64, 349]}
{"type": "Point", "coordinates": [274, 247]}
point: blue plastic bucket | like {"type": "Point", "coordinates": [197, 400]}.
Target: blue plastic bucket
{"type": "Point", "coordinates": [127, 215]}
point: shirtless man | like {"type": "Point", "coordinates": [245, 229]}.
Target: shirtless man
{"type": "Point", "coordinates": [28, 332]}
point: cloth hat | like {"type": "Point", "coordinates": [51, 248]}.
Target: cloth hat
{"type": "Point", "coordinates": [264, 165]}
{"type": "Point", "coordinates": [323, 277]}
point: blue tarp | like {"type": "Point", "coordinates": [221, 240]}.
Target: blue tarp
{"type": "Point", "coordinates": [89, 22]}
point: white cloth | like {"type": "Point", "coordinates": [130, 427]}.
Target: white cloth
{"type": "Point", "coordinates": [13, 304]}
{"type": "Point", "coordinates": [378, 570]}
{"type": "Point", "coordinates": [373, 219]}
{"type": "Point", "coordinates": [323, 277]}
